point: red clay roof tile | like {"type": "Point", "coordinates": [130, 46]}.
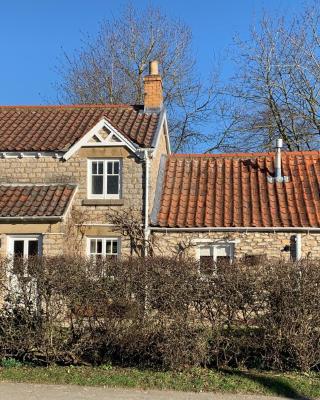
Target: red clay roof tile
{"type": "Point", "coordinates": [232, 190]}
{"type": "Point", "coordinates": [35, 200]}
{"type": "Point", "coordinates": [57, 128]}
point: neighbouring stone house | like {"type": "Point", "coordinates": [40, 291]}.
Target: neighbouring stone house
{"type": "Point", "coordinates": [63, 168]}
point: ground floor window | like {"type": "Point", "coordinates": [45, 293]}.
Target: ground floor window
{"type": "Point", "coordinates": [211, 255]}
{"type": "Point", "coordinates": [22, 247]}
{"type": "Point", "coordinates": [101, 247]}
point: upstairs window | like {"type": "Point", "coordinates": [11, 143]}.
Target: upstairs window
{"type": "Point", "coordinates": [213, 255]}
{"type": "Point", "coordinates": [104, 179]}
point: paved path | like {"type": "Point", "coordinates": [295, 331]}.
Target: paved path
{"type": "Point", "coordinates": [22, 391]}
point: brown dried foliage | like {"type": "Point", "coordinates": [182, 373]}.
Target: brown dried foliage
{"type": "Point", "coordinates": [161, 313]}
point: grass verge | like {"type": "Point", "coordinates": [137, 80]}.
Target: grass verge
{"type": "Point", "coordinates": [198, 379]}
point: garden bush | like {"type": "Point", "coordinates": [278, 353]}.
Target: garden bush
{"type": "Point", "coordinates": [160, 313]}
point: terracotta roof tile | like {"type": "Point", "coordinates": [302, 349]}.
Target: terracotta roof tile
{"type": "Point", "coordinates": [34, 200]}
{"type": "Point", "coordinates": [57, 128]}
{"type": "Point", "coordinates": [233, 190]}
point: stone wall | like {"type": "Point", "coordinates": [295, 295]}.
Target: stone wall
{"type": "Point", "coordinates": [53, 244]}
{"type": "Point", "coordinates": [53, 170]}
{"type": "Point", "coordinates": [270, 244]}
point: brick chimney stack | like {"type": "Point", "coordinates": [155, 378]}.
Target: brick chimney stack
{"type": "Point", "coordinates": [153, 98]}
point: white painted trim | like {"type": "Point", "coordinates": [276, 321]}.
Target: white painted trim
{"type": "Point", "coordinates": [166, 134]}
{"type": "Point", "coordinates": [298, 247]}
{"type": "Point", "coordinates": [84, 139]}
{"type": "Point", "coordinates": [146, 201]}
{"type": "Point", "coordinates": [31, 154]}
{"type": "Point", "coordinates": [104, 239]}
{"type": "Point", "coordinates": [162, 125]}
{"type": "Point", "coordinates": [103, 123]}
{"type": "Point", "coordinates": [104, 196]}
{"type": "Point", "coordinates": [37, 184]}
{"type": "Point", "coordinates": [213, 244]}
{"type": "Point", "coordinates": [216, 241]}
{"type": "Point", "coordinates": [25, 238]}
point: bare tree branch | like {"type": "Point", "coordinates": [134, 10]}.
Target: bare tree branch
{"type": "Point", "coordinates": [275, 92]}
{"type": "Point", "coordinates": [110, 68]}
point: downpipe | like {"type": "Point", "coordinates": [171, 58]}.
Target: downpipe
{"type": "Point", "coordinates": [146, 202]}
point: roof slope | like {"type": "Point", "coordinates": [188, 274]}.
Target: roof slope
{"type": "Point", "coordinates": [232, 190]}
{"type": "Point", "coordinates": [34, 200]}
{"type": "Point", "coordinates": [57, 128]}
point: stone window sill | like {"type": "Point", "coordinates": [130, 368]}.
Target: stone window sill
{"type": "Point", "coordinates": [103, 202]}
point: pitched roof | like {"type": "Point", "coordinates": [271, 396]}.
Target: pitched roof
{"type": "Point", "coordinates": [30, 201]}
{"type": "Point", "coordinates": [57, 128]}
{"type": "Point", "coordinates": [233, 190]}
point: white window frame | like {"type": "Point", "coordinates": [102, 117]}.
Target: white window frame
{"type": "Point", "coordinates": [213, 249]}
{"type": "Point", "coordinates": [104, 195]}
{"type": "Point", "coordinates": [104, 246]}
{"type": "Point", "coordinates": [26, 239]}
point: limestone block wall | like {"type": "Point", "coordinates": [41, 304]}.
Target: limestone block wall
{"type": "Point", "coordinates": [271, 244]}
{"type": "Point", "coordinates": [53, 170]}
{"type": "Point", "coordinates": [53, 244]}
{"type": "Point", "coordinates": [50, 234]}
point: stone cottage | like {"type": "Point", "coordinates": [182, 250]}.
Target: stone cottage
{"type": "Point", "coordinates": [64, 168]}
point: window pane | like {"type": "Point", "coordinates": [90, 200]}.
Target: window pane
{"type": "Point", "coordinates": [99, 246]}
{"type": "Point", "coordinates": [110, 163]}
{"type": "Point", "coordinates": [206, 251]}
{"type": "Point", "coordinates": [94, 167]}
{"type": "Point", "coordinates": [223, 260]}
{"type": "Point", "coordinates": [97, 184]}
{"type": "Point", "coordinates": [108, 247]}
{"type": "Point", "coordinates": [206, 265]}
{"type": "Point", "coordinates": [116, 167]}
{"type": "Point", "coordinates": [18, 248]}
{"type": "Point", "coordinates": [100, 168]}
{"type": "Point", "coordinates": [33, 248]}
{"type": "Point", "coordinates": [113, 184]}
{"type": "Point", "coordinates": [222, 250]}
{"type": "Point", "coordinates": [115, 247]}
{"type": "Point", "coordinates": [18, 264]}
{"type": "Point", "coordinates": [93, 246]}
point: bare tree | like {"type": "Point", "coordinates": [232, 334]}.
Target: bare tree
{"type": "Point", "coordinates": [110, 68]}
{"type": "Point", "coordinates": [276, 90]}
{"type": "Point", "coordinates": [129, 224]}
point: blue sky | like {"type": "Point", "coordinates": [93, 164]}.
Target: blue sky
{"type": "Point", "coordinates": [34, 32]}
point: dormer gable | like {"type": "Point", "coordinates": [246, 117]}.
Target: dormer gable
{"type": "Point", "coordinates": [103, 134]}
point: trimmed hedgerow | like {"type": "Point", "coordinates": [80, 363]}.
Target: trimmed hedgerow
{"type": "Point", "coordinates": [160, 312]}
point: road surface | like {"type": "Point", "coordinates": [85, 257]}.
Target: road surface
{"type": "Point", "coordinates": [22, 391]}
